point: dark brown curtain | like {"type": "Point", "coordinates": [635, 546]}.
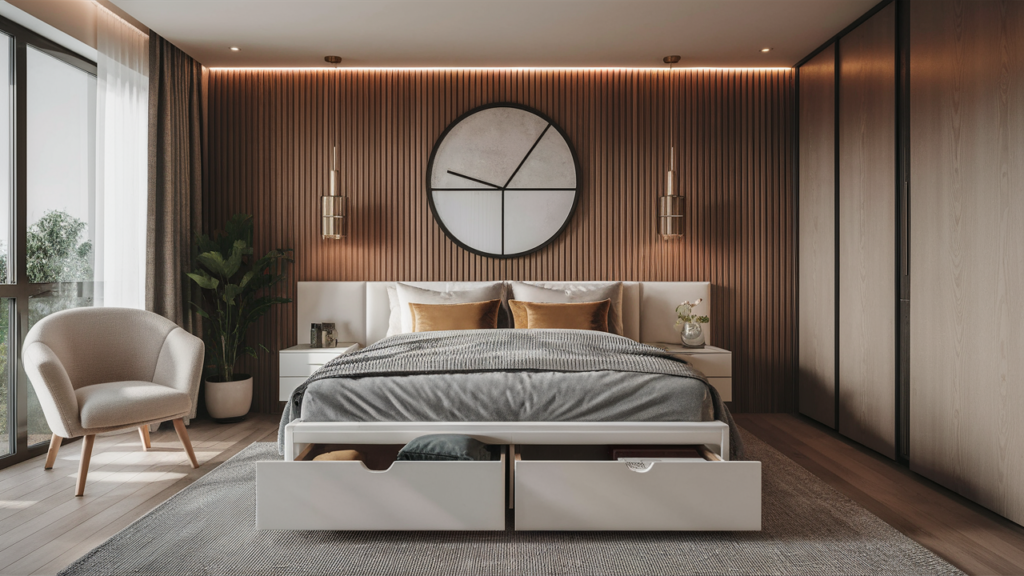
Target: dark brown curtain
{"type": "Point", "coordinates": [176, 117]}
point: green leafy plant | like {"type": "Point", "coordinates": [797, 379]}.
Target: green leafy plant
{"type": "Point", "coordinates": [236, 289]}
{"type": "Point", "coordinates": [685, 314]}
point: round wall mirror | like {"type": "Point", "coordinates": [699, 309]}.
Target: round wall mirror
{"type": "Point", "coordinates": [502, 180]}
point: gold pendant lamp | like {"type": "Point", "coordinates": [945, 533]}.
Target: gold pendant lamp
{"type": "Point", "coordinates": [334, 206]}
{"type": "Point", "coordinates": [670, 206]}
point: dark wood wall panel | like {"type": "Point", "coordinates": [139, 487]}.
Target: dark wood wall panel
{"type": "Point", "coordinates": [867, 233]}
{"type": "Point", "coordinates": [271, 133]}
{"type": "Point", "coordinates": [817, 238]}
{"type": "Point", "coordinates": [967, 249]}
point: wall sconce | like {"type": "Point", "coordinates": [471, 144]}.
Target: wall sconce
{"type": "Point", "coordinates": [334, 206]}
{"type": "Point", "coordinates": [670, 206]}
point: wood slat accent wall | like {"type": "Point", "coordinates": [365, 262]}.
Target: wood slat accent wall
{"type": "Point", "coordinates": [867, 233]}
{"type": "Point", "coordinates": [817, 238]}
{"type": "Point", "coordinates": [967, 249]}
{"type": "Point", "coordinates": [270, 139]}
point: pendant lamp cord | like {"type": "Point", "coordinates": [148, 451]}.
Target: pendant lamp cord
{"type": "Point", "coordinates": [671, 122]}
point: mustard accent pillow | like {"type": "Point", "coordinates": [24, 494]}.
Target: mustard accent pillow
{"type": "Point", "coordinates": [569, 316]}
{"type": "Point", "coordinates": [472, 316]}
{"type": "Point", "coordinates": [519, 316]}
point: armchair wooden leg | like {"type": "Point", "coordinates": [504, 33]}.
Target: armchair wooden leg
{"type": "Point", "coordinates": [179, 427]}
{"type": "Point", "coordinates": [51, 456]}
{"type": "Point", "coordinates": [144, 434]}
{"type": "Point", "coordinates": [83, 466]}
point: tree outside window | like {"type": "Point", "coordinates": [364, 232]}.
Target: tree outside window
{"type": "Point", "coordinates": [58, 252]}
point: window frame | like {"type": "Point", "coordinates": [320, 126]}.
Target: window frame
{"type": "Point", "coordinates": [21, 289]}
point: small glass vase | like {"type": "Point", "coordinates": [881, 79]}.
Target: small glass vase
{"type": "Point", "coordinates": [692, 335]}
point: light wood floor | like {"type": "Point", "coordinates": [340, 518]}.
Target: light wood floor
{"type": "Point", "coordinates": [43, 527]}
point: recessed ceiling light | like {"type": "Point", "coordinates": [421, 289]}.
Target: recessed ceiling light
{"type": "Point", "coordinates": [766, 49]}
{"type": "Point", "coordinates": [235, 48]}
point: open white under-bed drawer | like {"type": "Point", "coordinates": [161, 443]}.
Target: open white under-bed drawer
{"type": "Point", "coordinates": [566, 478]}
{"type": "Point", "coordinates": [408, 495]}
{"type": "Point", "coordinates": [604, 494]}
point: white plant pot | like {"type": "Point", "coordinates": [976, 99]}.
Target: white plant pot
{"type": "Point", "coordinates": [229, 400]}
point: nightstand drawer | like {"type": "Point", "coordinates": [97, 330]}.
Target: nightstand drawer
{"type": "Point", "coordinates": [303, 364]}
{"type": "Point", "coordinates": [287, 385]}
{"type": "Point", "coordinates": [710, 364]}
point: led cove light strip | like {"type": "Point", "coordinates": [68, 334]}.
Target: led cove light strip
{"type": "Point", "coordinates": [118, 16]}
{"type": "Point", "coordinates": [483, 68]}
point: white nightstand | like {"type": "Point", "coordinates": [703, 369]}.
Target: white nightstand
{"type": "Point", "coordinates": [715, 363]}
{"type": "Point", "coordinates": [299, 362]}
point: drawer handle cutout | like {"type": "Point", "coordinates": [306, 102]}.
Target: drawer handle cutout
{"type": "Point", "coordinates": [640, 467]}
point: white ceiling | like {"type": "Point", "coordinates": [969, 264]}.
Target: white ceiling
{"type": "Point", "coordinates": [467, 33]}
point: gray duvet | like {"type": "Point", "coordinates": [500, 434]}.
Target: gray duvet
{"type": "Point", "coordinates": [508, 376]}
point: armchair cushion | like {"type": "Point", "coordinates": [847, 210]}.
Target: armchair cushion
{"type": "Point", "coordinates": [114, 404]}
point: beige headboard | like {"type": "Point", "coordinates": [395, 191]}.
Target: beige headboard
{"type": "Point", "coordinates": [360, 310]}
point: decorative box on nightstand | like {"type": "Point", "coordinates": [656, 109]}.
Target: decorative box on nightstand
{"type": "Point", "coordinates": [299, 362]}
{"type": "Point", "coordinates": [715, 363]}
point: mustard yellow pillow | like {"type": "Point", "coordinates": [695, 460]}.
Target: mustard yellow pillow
{"type": "Point", "coordinates": [519, 317]}
{"type": "Point", "coordinates": [472, 316]}
{"type": "Point", "coordinates": [571, 316]}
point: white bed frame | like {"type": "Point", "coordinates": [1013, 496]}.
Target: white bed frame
{"type": "Point", "coordinates": [714, 494]}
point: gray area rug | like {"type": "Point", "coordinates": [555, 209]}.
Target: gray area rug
{"type": "Point", "coordinates": [809, 528]}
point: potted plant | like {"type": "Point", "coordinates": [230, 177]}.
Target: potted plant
{"type": "Point", "coordinates": [236, 290]}
{"type": "Point", "coordinates": [690, 334]}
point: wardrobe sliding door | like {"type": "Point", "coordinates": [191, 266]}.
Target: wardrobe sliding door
{"type": "Point", "coordinates": [967, 249]}
{"type": "Point", "coordinates": [867, 233]}
{"type": "Point", "coordinates": [817, 282]}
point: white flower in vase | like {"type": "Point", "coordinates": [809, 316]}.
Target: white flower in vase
{"type": "Point", "coordinates": [691, 334]}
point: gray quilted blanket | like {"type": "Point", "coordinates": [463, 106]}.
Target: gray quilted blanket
{"type": "Point", "coordinates": [443, 363]}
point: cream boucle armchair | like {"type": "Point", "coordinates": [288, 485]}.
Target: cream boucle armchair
{"type": "Point", "coordinates": [102, 369]}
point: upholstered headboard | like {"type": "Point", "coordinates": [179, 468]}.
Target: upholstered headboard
{"type": "Point", "coordinates": [360, 310]}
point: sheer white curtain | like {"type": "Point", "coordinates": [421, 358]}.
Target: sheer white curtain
{"type": "Point", "coordinates": [122, 116]}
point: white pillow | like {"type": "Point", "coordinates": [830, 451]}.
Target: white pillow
{"type": "Point", "coordinates": [412, 295]}
{"type": "Point", "coordinates": [563, 292]}
{"type": "Point", "coordinates": [395, 320]}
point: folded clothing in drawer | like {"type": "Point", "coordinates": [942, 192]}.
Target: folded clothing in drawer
{"type": "Point", "coordinates": [447, 447]}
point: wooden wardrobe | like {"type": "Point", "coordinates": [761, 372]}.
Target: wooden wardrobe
{"type": "Point", "coordinates": [967, 249]}
{"type": "Point", "coordinates": [847, 219]}
{"type": "Point", "coordinates": [926, 203]}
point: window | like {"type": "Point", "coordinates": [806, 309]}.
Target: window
{"type": "Point", "coordinates": [61, 203]}
{"type": "Point", "coordinates": [47, 211]}
{"type": "Point", "coordinates": [6, 147]}
{"type": "Point", "coordinates": [7, 435]}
